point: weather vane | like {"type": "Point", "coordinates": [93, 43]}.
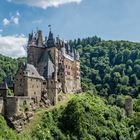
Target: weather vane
{"type": "Point", "coordinates": [49, 26]}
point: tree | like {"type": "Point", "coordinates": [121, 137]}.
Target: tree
{"type": "Point", "coordinates": [129, 70]}
{"type": "Point", "coordinates": [126, 55]}
{"type": "Point", "coordinates": [116, 78]}
{"type": "Point", "coordinates": [137, 70]}
{"type": "Point", "coordinates": [125, 80]}
{"type": "Point", "coordinates": [128, 106]}
{"type": "Point", "coordinates": [133, 79]}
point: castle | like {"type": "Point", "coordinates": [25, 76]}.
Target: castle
{"type": "Point", "coordinates": [52, 67]}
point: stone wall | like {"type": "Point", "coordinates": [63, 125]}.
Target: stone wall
{"type": "Point", "coordinates": [34, 54]}
{"type": "Point", "coordinates": [13, 105]}
{"type": "Point", "coordinates": [19, 83]}
{"type": "Point", "coordinates": [71, 76]}
{"type": "Point", "coordinates": [10, 106]}
{"type": "Point", "coordinates": [27, 86]}
{"type": "Point", "coordinates": [21, 101]}
{"type": "Point", "coordinates": [77, 77]}
{"type": "Point", "coordinates": [34, 88]}
{"type": "Point", "coordinates": [52, 91]}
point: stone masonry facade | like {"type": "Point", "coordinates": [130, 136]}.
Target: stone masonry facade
{"type": "Point", "coordinates": [52, 67]}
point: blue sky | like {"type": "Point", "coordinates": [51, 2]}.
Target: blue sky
{"type": "Point", "coordinates": [108, 19]}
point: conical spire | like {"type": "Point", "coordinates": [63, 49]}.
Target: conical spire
{"type": "Point", "coordinates": [50, 33]}
{"type": "Point", "coordinates": [50, 42]}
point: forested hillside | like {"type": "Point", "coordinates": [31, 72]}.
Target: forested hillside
{"type": "Point", "coordinates": [110, 69]}
{"type": "Point", "coordinates": [112, 66]}
{"type": "Point", "coordinates": [9, 66]}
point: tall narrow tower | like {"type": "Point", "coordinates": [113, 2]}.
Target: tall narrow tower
{"type": "Point", "coordinates": [39, 38]}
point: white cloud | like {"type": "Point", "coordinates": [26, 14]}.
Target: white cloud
{"type": "Point", "coordinates": [44, 3]}
{"type": "Point", "coordinates": [15, 20]}
{"type": "Point", "coordinates": [1, 30]}
{"type": "Point", "coordinates": [13, 46]}
{"type": "Point", "coordinates": [18, 14]}
{"type": "Point", "coordinates": [6, 22]}
{"type": "Point", "coordinates": [12, 20]}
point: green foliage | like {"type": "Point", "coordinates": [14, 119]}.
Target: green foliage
{"type": "Point", "coordinates": [108, 68]}
{"type": "Point", "coordinates": [10, 92]}
{"type": "Point", "coordinates": [9, 66]}
{"type": "Point", "coordinates": [112, 66]}
{"type": "Point", "coordinates": [5, 132]}
{"type": "Point", "coordinates": [24, 107]}
{"type": "Point", "coordinates": [85, 117]}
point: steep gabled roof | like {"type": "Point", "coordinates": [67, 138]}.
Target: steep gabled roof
{"type": "Point", "coordinates": [49, 68]}
{"type": "Point", "coordinates": [31, 71]}
{"type": "Point", "coordinates": [3, 86]}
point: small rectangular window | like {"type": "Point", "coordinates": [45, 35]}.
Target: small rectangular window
{"type": "Point", "coordinates": [44, 83]}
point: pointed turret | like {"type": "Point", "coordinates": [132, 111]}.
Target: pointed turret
{"type": "Point", "coordinates": [50, 41]}
{"type": "Point", "coordinates": [30, 37]}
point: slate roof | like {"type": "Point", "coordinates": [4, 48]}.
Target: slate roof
{"type": "Point", "coordinates": [32, 72]}
{"type": "Point", "coordinates": [9, 81]}
{"type": "Point", "coordinates": [3, 86]}
{"type": "Point", "coordinates": [49, 66]}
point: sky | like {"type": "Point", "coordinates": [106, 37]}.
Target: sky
{"type": "Point", "coordinates": [70, 19]}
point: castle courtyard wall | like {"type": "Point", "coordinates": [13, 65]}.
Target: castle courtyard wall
{"type": "Point", "coordinates": [10, 106]}
{"type": "Point", "coordinates": [21, 101]}
{"type": "Point", "coordinates": [13, 105]}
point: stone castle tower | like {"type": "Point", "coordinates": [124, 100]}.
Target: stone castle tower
{"type": "Point", "coordinates": [53, 66]}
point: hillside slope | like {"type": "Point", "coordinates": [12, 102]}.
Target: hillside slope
{"type": "Point", "coordinates": [84, 117]}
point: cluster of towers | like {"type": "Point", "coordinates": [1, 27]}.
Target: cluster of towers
{"type": "Point", "coordinates": [54, 62]}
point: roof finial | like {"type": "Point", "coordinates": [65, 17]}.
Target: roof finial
{"type": "Point", "coordinates": [49, 27]}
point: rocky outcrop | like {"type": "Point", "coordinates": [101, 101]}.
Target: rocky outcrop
{"type": "Point", "coordinates": [19, 120]}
